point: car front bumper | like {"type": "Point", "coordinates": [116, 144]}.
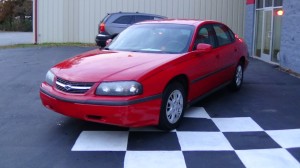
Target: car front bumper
{"type": "Point", "coordinates": [134, 113]}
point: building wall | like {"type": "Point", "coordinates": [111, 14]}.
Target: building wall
{"type": "Point", "coordinates": [77, 20]}
{"type": "Point", "coordinates": [249, 25]}
{"type": "Point", "coordinates": [290, 36]}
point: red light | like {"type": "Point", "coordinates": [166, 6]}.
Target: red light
{"type": "Point", "coordinates": [102, 27]}
{"type": "Point", "coordinates": [280, 12]}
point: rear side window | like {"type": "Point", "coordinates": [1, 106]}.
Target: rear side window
{"type": "Point", "coordinates": [124, 20]}
{"type": "Point", "coordinates": [222, 34]}
{"type": "Point", "coordinates": [140, 18]}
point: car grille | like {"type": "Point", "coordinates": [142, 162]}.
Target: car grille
{"type": "Point", "coordinates": [73, 87]}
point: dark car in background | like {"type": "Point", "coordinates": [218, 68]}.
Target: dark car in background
{"type": "Point", "coordinates": [114, 23]}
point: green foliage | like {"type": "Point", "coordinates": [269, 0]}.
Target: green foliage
{"type": "Point", "coordinates": [25, 26]}
{"type": "Point", "coordinates": [15, 15]}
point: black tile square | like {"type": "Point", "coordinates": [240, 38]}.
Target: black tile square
{"type": "Point", "coordinates": [212, 159]}
{"type": "Point", "coordinates": [197, 124]}
{"type": "Point", "coordinates": [151, 141]}
{"type": "Point", "coordinates": [295, 152]}
{"type": "Point", "coordinates": [250, 140]}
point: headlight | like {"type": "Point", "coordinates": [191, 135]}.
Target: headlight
{"type": "Point", "coordinates": [50, 78]}
{"type": "Point", "coordinates": [122, 88]}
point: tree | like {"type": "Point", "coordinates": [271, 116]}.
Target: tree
{"type": "Point", "coordinates": [12, 9]}
{"type": "Point", "coordinates": [7, 11]}
{"type": "Point", "coordinates": [23, 8]}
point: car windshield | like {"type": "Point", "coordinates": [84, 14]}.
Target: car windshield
{"type": "Point", "coordinates": [156, 38]}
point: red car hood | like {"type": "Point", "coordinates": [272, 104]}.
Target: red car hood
{"type": "Point", "coordinates": [96, 65]}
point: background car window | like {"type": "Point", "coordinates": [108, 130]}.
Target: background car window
{"type": "Point", "coordinates": [124, 20]}
{"type": "Point", "coordinates": [222, 34]}
{"type": "Point", "coordinates": [140, 18]}
{"type": "Point", "coordinates": [205, 35]}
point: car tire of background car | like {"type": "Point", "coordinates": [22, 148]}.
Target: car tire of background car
{"type": "Point", "coordinates": [237, 81]}
{"type": "Point", "coordinates": [173, 105]}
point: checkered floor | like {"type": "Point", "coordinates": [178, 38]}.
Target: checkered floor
{"type": "Point", "coordinates": [200, 141]}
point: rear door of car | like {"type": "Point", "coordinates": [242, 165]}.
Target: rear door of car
{"type": "Point", "coordinates": [226, 52]}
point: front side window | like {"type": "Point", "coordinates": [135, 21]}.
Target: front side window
{"type": "Point", "coordinates": [155, 38]}
{"type": "Point", "coordinates": [205, 35]}
{"type": "Point", "coordinates": [222, 34]}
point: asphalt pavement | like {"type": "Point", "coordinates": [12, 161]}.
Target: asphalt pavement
{"type": "Point", "coordinates": [12, 38]}
{"type": "Point", "coordinates": [258, 126]}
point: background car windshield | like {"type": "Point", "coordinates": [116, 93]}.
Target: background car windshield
{"type": "Point", "coordinates": [158, 38]}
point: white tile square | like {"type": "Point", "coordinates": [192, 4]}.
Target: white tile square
{"type": "Point", "coordinates": [148, 129]}
{"type": "Point", "coordinates": [196, 112]}
{"type": "Point", "coordinates": [152, 159]}
{"type": "Point", "coordinates": [101, 141]}
{"type": "Point", "coordinates": [203, 141]}
{"type": "Point", "coordinates": [286, 138]}
{"type": "Point", "coordinates": [237, 124]}
{"type": "Point", "coordinates": [267, 158]}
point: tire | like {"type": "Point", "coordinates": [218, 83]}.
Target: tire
{"type": "Point", "coordinates": [173, 105]}
{"type": "Point", "coordinates": [238, 78]}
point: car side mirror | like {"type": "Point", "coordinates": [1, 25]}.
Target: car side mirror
{"type": "Point", "coordinates": [108, 41]}
{"type": "Point", "coordinates": [204, 48]}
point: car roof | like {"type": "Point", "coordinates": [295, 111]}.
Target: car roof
{"type": "Point", "coordinates": [193, 22]}
{"type": "Point", "coordinates": [134, 13]}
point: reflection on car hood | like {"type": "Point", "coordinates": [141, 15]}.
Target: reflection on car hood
{"type": "Point", "coordinates": [96, 65]}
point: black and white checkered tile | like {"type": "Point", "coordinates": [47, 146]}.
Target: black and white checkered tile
{"type": "Point", "coordinates": [200, 141]}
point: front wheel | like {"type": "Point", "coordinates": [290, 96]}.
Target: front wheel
{"type": "Point", "coordinates": [237, 81]}
{"type": "Point", "coordinates": [172, 108]}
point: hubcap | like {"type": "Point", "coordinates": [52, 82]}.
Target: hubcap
{"type": "Point", "coordinates": [239, 75]}
{"type": "Point", "coordinates": [174, 106]}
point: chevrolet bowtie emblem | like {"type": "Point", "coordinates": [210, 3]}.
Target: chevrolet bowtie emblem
{"type": "Point", "coordinates": [68, 87]}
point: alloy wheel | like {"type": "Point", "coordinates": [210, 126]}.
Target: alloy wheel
{"type": "Point", "coordinates": [174, 106]}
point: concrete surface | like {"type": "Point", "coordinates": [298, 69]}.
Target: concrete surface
{"type": "Point", "coordinates": [267, 108]}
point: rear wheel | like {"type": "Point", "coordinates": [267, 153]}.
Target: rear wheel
{"type": "Point", "coordinates": [237, 81]}
{"type": "Point", "coordinates": [172, 108]}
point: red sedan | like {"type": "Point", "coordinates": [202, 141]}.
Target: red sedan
{"type": "Point", "coordinates": [148, 74]}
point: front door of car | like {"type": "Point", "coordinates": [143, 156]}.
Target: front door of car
{"type": "Point", "coordinates": [226, 52]}
{"type": "Point", "coordinates": [205, 63]}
